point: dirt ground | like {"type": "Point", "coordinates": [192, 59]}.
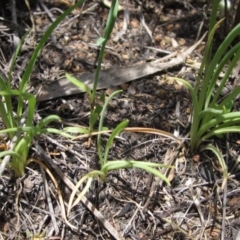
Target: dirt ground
{"type": "Point", "coordinates": [131, 204]}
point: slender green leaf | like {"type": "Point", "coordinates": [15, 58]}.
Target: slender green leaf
{"type": "Point", "coordinates": [100, 125]}
{"type": "Point", "coordinates": [149, 167]}
{"type": "Point", "coordinates": [79, 84]}
{"type": "Point", "coordinates": [111, 19]}
{"type": "Point", "coordinates": [221, 161]}
{"type": "Point", "coordinates": [38, 49]}
{"type": "Point", "coordinates": [56, 131]}
{"type": "Point", "coordinates": [221, 130]}
{"type": "Point", "coordinates": [156, 173]}
{"type": "Point", "coordinates": [234, 51]}
{"type": "Point", "coordinates": [217, 120]}
{"type": "Point", "coordinates": [44, 122]}
{"type": "Point", "coordinates": [230, 97]}
{"type": "Point", "coordinates": [115, 132]}
{"type": "Point", "coordinates": [209, 66]}
{"type": "Point", "coordinates": [41, 43]}
{"type": "Point", "coordinates": [100, 41]}
{"type": "Point", "coordinates": [76, 130]}
{"type": "Point", "coordinates": [14, 58]}
{"type": "Point", "coordinates": [109, 26]}
{"type": "Point", "coordinates": [9, 153]}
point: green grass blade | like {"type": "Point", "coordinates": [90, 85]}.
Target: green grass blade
{"type": "Point", "coordinates": [120, 127]}
{"type": "Point", "coordinates": [230, 97]}
{"type": "Point", "coordinates": [6, 118]}
{"type": "Point", "coordinates": [216, 121]}
{"type": "Point", "coordinates": [111, 19]}
{"type": "Point", "coordinates": [9, 153]}
{"type": "Point", "coordinates": [228, 72]}
{"type": "Point", "coordinates": [149, 167]}
{"type": "Point", "coordinates": [78, 83]}
{"type": "Point", "coordinates": [13, 60]}
{"type": "Point", "coordinates": [156, 173]}
{"type": "Point", "coordinates": [222, 49]}
{"type": "Point", "coordinates": [76, 130]}
{"type": "Point", "coordinates": [212, 25]}
{"type": "Point", "coordinates": [195, 112]}
{"type": "Point", "coordinates": [41, 43]}
{"type": "Point", "coordinates": [118, 164]}
{"type": "Point", "coordinates": [220, 159]}
{"type": "Point", "coordinates": [109, 26]}
{"type": "Point", "coordinates": [209, 67]}
{"type": "Point", "coordinates": [104, 108]}
{"type": "Point", "coordinates": [100, 126]}
{"type": "Point", "coordinates": [56, 131]}
{"type": "Point", "coordinates": [16, 129]}
{"type": "Point", "coordinates": [44, 122]}
{"type": "Point", "coordinates": [216, 59]}
{"type": "Point", "coordinates": [235, 51]}
{"type": "Point", "coordinates": [221, 130]}
{"type": "Point", "coordinates": [6, 111]}
{"type": "Point", "coordinates": [38, 49]}
{"type": "Point", "coordinates": [211, 112]}
{"type": "Point", "coordinates": [31, 108]}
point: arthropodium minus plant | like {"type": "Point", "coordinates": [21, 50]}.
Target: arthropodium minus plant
{"type": "Point", "coordinates": [213, 115]}
{"type": "Point", "coordinates": [20, 128]}
{"type": "Point", "coordinates": [98, 111]}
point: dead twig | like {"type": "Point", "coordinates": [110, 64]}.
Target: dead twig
{"type": "Point", "coordinates": [49, 201]}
